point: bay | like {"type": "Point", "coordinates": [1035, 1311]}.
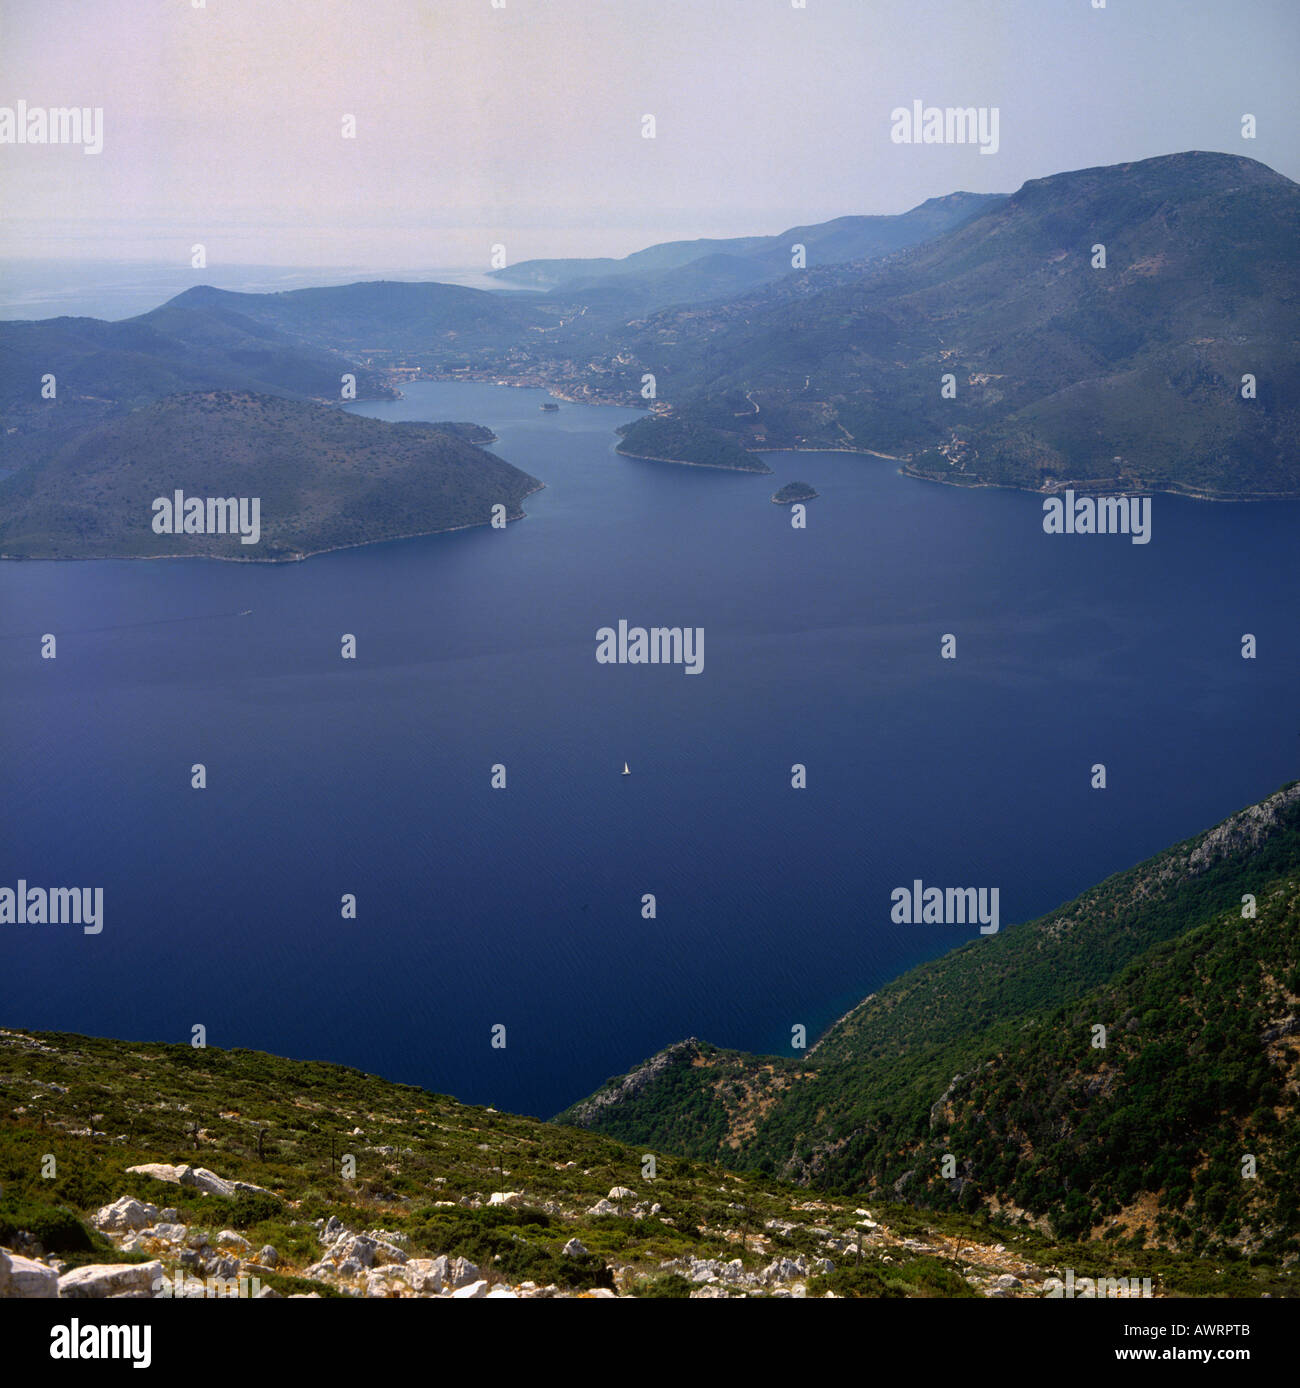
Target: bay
{"type": "Point", "coordinates": [523, 907]}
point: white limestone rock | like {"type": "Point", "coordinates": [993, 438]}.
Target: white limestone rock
{"type": "Point", "coordinates": [25, 1279]}
{"type": "Point", "coordinates": [111, 1279]}
{"type": "Point", "coordinates": [123, 1215]}
{"type": "Point", "coordinates": [160, 1171]}
{"type": "Point", "coordinates": [167, 1233]}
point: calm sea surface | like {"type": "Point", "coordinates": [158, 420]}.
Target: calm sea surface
{"type": "Point", "coordinates": [523, 906]}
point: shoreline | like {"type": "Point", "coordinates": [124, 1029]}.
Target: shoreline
{"type": "Point", "coordinates": [682, 462]}
{"type": "Point", "coordinates": [286, 559]}
{"type": "Point", "coordinates": [1097, 485]}
{"type": "Point", "coordinates": [1089, 485]}
{"type": "Point", "coordinates": [905, 470]}
{"type": "Point", "coordinates": [561, 392]}
{"type": "Point", "coordinates": [1192, 494]}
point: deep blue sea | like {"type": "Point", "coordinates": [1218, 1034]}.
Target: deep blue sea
{"type": "Point", "coordinates": [523, 906]}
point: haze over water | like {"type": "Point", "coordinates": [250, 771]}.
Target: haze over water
{"type": "Point", "coordinates": [523, 906]}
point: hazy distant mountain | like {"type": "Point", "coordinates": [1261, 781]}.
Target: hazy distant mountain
{"type": "Point", "coordinates": [388, 315]}
{"type": "Point", "coordinates": [323, 479]}
{"type": "Point", "coordinates": [990, 1054]}
{"type": "Point", "coordinates": [1131, 374]}
{"type": "Point", "coordinates": [298, 344]}
{"type": "Point", "coordinates": [183, 345]}
{"type": "Point", "coordinates": [741, 260]}
{"type": "Point", "coordinates": [105, 369]}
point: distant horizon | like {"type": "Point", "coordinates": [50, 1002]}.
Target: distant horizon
{"type": "Point", "coordinates": [37, 287]}
{"type": "Point", "coordinates": [631, 242]}
{"type": "Point", "coordinates": [126, 288]}
{"type": "Point", "coordinates": [637, 242]}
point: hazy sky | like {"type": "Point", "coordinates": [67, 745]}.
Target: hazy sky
{"type": "Point", "coordinates": [522, 125]}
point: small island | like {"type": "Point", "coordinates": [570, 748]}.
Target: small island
{"type": "Point", "coordinates": [792, 492]}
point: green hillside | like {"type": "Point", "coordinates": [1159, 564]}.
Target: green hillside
{"type": "Point", "coordinates": [679, 441]}
{"type": "Point", "coordinates": [317, 1179]}
{"type": "Point", "coordinates": [1199, 1066]}
{"type": "Point", "coordinates": [1124, 376]}
{"type": "Point", "coordinates": [986, 1054]}
{"type": "Point", "coordinates": [324, 479]}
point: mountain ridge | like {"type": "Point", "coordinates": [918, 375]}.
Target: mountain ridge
{"type": "Point", "coordinates": [740, 262]}
{"type": "Point", "coordinates": [1056, 370]}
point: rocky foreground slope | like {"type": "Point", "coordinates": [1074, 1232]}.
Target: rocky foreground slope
{"type": "Point", "coordinates": [140, 1170]}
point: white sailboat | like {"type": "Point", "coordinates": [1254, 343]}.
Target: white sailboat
{"type": "Point", "coordinates": [626, 772]}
